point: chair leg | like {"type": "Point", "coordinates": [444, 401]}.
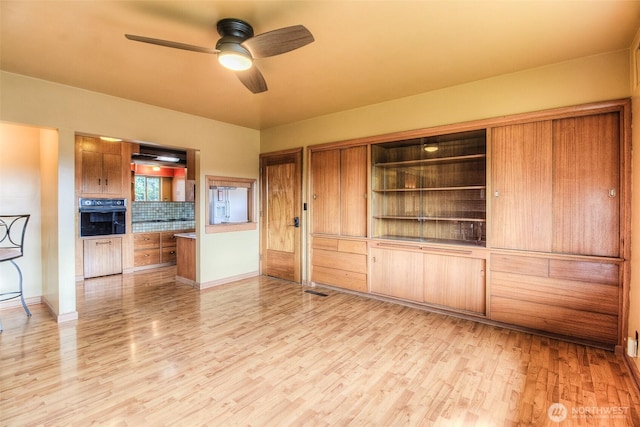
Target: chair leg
{"type": "Point", "coordinates": [24, 304]}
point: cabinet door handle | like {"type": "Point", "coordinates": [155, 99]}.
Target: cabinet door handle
{"type": "Point", "coordinates": [108, 242]}
{"type": "Point", "coordinates": [106, 181]}
{"type": "Point", "coordinates": [99, 181]}
{"type": "Point", "coordinates": [496, 193]}
{"type": "Point", "coordinates": [315, 196]}
{"type": "Point", "coordinates": [612, 193]}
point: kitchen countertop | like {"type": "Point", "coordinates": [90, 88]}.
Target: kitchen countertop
{"type": "Point", "coordinates": [186, 235]}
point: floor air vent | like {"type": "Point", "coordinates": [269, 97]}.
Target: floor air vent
{"type": "Point", "coordinates": [317, 293]}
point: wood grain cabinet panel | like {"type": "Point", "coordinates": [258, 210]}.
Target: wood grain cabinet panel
{"type": "Point", "coordinates": [339, 191]}
{"type": "Point", "coordinates": [397, 273]}
{"type": "Point", "coordinates": [325, 180]}
{"type": "Point", "coordinates": [455, 282]}
{"type": "Point", "coordinates": [586, 185]}
{"type": "Point", "coordinates": [561, 296]}
{"type": "Point", "coordinates": [339, 262]}
{"type": "Point", "coordinates": [101, 167]}
{"type": "Point", "coordinates": [102, 257]}
{"type": "Point", "coordinates": [521, 180]}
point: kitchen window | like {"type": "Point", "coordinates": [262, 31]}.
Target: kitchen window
{"type": "Point", "coordinates": [147, 188]}
{"type": "Point", "coordinates": [230, 204]}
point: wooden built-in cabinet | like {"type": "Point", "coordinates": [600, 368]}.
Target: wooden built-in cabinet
{"type": "Point", "coordinates": [436, 276]}
{"type": "Point", "coordinates": [431, 189]}
{"type": "Point", "coordinates": [155, 248]}
{"type": "Point", "coordinates": [340, 262]}
{"type": "Point", "coordinates": [102, 166]}
{"type": "Point", "coordinates": [523, 220]}
{"type": "Point", "coordinates": [556, 185]}
{"type": "Point", "coordinates": [339, 216]}
{"type": "Point", "coordinates": [339, 191]}
{"type": "Point", "coordinates": [102, 256]}
{"type": "Point", "coordinates": [568, 296]}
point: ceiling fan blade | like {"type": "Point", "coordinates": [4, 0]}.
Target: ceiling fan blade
{"type": "Point", "coordinates": [168, 43]}
{"type": "Point", "coordinates": [253, 80]}
{"type": "Point", "coordinates": [278, 41]}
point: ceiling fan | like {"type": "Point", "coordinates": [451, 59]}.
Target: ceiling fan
{"type": "Point", "coordinates": [238, 47]}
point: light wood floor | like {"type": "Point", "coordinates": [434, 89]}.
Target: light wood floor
{"type": "Point", "coordinates": [262, 352]}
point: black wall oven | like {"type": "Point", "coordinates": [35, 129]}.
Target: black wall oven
{"type": "Point", "coordinates": [102, 217]}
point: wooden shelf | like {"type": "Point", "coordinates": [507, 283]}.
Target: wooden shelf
{"type": "Point", "coordinates": [470, 187]}
{"type": "Point", "coordinates": [429, 218]}
{"type": "Point", "coordinates": [433, 161]}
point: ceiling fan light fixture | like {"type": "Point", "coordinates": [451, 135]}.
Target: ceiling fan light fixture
{"type": "Point", "coordinates": [235, 61]}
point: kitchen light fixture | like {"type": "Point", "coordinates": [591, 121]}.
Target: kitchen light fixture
{"type": "Point", "coordinates": [156, 168]}
{"type": "Point", "coordinates": [167, 159]}
{"type": "Point", "coordinates": [430, 148]}
{"type": "Point", "coordinates": [110, 139]}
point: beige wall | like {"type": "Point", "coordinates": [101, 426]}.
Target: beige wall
{"type": "Point", "coordinates": [224, 149]}
{"type": "Point", "coordinates": [20, 194]}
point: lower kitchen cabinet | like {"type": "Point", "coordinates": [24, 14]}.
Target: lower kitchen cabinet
{"type": "Point", "coordinates": [155, 248]}
{"type": "Point", "coordinates": [416, 274]}
{"type": "Point", "coordinates": [573, 297]}
{"type": "Point", "coordinates": [102, 257]}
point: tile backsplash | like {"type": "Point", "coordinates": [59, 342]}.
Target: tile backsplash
{"type": "Point", "coordinates": [162, 211]}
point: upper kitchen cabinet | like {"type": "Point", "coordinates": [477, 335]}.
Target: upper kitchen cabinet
{"type": "Point", "coordinates": [556, 185]}
{"type": "Point", "coordinates": [101, 166]}
{"type": "Point", "coordinates": [339, 191]}
{"type": "Point", "coordinates": [431, 189]}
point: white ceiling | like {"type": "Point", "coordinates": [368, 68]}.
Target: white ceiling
{"type": "Point", "coordinates": [365, 52]}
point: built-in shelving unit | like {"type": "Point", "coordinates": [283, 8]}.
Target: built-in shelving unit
{"type": "Point", "coordinates": [431, 189]}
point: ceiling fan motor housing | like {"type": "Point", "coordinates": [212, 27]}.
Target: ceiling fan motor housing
{"type": "Point", "coordinates": [233, 32]}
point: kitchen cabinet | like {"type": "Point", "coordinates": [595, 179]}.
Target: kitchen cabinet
{"type": "Point", "coordinates": [340, 262]}
{"type": "Point", "coordinates": [431, 189]}
{"type": "Point", "coordinates": [146, 249]}
{"type": "Point", "coordinates": [573, 297]}
{"type": "Point", "coordinates": [102, 257]}
{"type": "Point", "coordinates": [155, 248]}
{"type": "Point", "coordinates": [339, 191]}
{"type": "Point", "coordinates": [101, 166]}
{"type": "Point", "coordinates": [556, 185]}
{"type": "Point", "coordinates": [397, 273]}
{"type": "Point", "coordinates": [186, 261]}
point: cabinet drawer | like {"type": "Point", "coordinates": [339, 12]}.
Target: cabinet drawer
{"type": "Point", "coordinates": [325, 243]}
{"type": "Point", "coordinates": [576, 298]}
{"type": "Point", "coordinates": [341, 278]}
{"type": "Point", "coordinates": [341, 261]}
{"type": "Point", "coordinates": [168, 255]}
{"type": "Point", "coordinates": [560, 320]}
{"type": "Point", "coordinates": [146, 241]}
{"type": "Point", "coordinates": [169, 239]}
{"type": "Point", "coordinates": [146, 257]}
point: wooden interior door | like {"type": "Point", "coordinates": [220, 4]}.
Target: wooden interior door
{"type": "Point", "coordinates": [281, 183]}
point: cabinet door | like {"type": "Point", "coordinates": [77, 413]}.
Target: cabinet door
{"type": "Point", "coordinates": [112, 174]}
{"type": "Point", "coordinates": [92, 180]}
{"type": "Point", "coordinates": [455, 282]}
{"type": "Point", "coordinates": [102, 257]}
{"type": "Point", "coordinates": [521, 179]}
{"type": "Point", "coordinates": [586, 168]}
{"type": "Point", "coordinates": [397, 273]}
{"type": "Point", "coordinates": [353, 191]}
{"type": "Point", "coordinates": [325, 181]}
